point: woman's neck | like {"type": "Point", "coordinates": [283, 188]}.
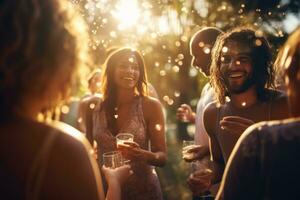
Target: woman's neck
{"type": "Point", "coordinates": [125, 97]}
{"type": "Point", "coordinates": [28, 110]}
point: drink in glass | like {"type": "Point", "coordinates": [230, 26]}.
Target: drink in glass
{"type": "Point", "coordinates": [124, 137]}
{"type": "Point", "coordinates": [112, 159]}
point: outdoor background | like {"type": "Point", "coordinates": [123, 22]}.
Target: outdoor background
{"type": "Point", "coordinates": [161, 30]}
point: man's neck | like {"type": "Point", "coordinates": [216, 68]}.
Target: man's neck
{"type": "Point", "coordinates": [245, 99]}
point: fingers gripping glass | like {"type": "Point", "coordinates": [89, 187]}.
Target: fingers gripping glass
{"type": "Point", "coordinates": [112, 159]}
{"type": "Point", "coordinates": [121, 138]}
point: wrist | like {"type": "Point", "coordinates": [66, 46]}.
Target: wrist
{"type": "Point", "coordinates": [147, 156]}
{"type": "Point", "coordinates": [192, 117]}
{"type": "Point", "coordinates": [113, 183]}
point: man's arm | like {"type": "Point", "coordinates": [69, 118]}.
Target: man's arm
{"type": "Point", "coordinates": [210, 121]}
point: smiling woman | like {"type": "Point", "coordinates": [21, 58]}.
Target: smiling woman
{"type": "Point", "coordinates": [127, 108]}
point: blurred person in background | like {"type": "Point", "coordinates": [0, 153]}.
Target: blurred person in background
{"type": "Point", "coordinates": [201, 45]}
{"type": "Point", "coordinates": [94, 87]}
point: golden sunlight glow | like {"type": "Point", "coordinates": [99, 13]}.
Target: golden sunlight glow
{"type": "Point", "coordinates": [127, 12]}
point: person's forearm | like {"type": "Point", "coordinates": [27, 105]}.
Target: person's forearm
{"type": "Point", "coordinates": [155, 158]}
{"type": "Point", "coordinates": [114, 191]}
{"type": "Point", "coordinates": [204, 153]}
{"type": "Point", "coordinates": [218, 170]}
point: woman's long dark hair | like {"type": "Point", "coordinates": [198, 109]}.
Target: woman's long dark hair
{"type": "Point", "coordinates": [109, 87]}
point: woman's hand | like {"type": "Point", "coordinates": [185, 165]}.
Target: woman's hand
{"type": "Point", "coordinates": [118, 175]}
{"type": "Point", "coordinates": [132, 151]}
{"type": "Point", "coordinates": [185, 114]}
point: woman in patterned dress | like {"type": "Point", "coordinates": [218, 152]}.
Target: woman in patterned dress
{"type": "Point", "coordinates": [126, 107]}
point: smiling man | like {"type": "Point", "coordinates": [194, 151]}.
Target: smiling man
{"type": "Point", "coordinates": [241, 75]}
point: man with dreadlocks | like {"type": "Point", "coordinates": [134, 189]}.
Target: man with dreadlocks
{"type": "Point", "coordinates": [242, 77]}
{"type": "Point", "coordinates": [264, 163]}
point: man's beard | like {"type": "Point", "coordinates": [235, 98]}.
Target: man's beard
{"type": "Point", "coordinates": [234, 89]}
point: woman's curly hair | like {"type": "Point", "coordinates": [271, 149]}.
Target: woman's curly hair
{"type": "Point", "coordinates": [261, 61]}
{"type": "Point", "coordinates": [40, 40]}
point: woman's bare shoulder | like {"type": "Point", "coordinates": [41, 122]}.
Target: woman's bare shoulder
{"type": "Point", "coordinates": [150, 103]}
{"type": "Point", "coordinates": [70, 155]}
{"type": "Point", "coordinates": [151, 106]}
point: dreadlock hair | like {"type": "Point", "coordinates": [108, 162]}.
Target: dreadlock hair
{"type": "Point", "coordinates": [261, 61]}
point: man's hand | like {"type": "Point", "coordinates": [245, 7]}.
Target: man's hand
{"type": "Point", "coordinates": [200, 181]}
{"type": "Point", "coordinates": [185, 114]}
{"type": "Point", "coordinates": [235, 124]}
{"type": "Point", "coordinates": [197, 152]}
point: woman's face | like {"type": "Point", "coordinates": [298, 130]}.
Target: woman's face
{"type": "Point", "coordinates": [127, 72]}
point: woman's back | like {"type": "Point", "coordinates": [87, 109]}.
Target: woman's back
{"type": "Point", "coordinates": [45, 162]}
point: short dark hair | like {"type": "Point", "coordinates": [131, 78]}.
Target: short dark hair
{"type": "Point", "coordinates": [207, 35]}
{"type": "Point", "coordinates": [261, 61]}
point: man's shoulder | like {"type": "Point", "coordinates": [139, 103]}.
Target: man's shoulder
{"type": "Point", "coordinates": [212, 107]}
{"type": "Point", "coordinates": [276, 95]}
{"type": "Point", "coordinates": [210, 116]}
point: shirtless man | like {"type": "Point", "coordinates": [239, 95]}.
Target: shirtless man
{"type": "Point", "coordinates": [264, 163]}
{"type": "Point", "coordinates": [242, 77]}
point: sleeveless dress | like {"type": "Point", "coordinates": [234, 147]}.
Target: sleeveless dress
{"type": "Point", "coordinates": [143, 184]}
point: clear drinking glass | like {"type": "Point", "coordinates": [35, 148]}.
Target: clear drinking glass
{"type": "Point", "coordinates": [112, 159]}
{"type": "Point", "coordinates": [201, 169]}
{"type": "Point", "coordinates": [121, 138]}
{"type": "Point", "coordinates": [124, 137]}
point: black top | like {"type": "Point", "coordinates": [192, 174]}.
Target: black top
{"type": "Point", "coordinates": [265, 163]}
